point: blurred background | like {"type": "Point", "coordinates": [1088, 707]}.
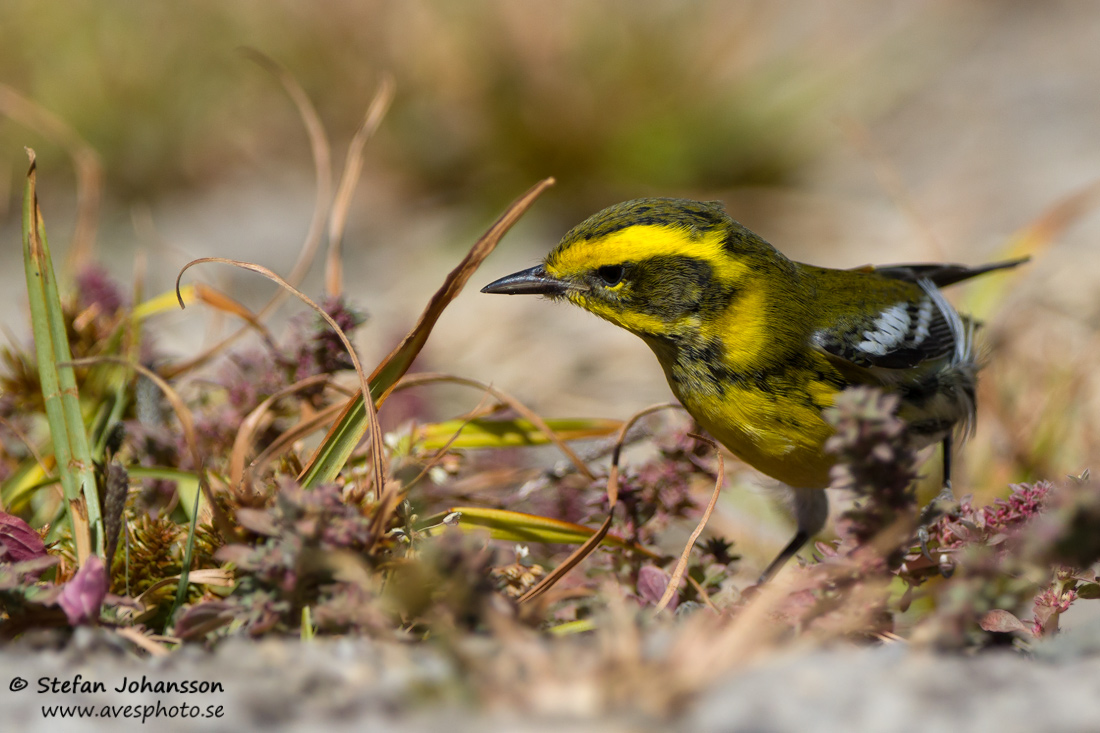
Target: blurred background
{"type": "Point", "coordinates": [845, 133]}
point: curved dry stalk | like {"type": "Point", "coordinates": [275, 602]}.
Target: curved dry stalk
{"type": "Point", "coordinates": [551, 579]}
{"type": "Point", "coordinates": [322, 163]}
{"type": "Point", "coordinates": [594, 541]}
{"type": "Point", "coordinates": [702, 592]}
{"type": "Point", "coordinates": [374, 429]}
{"type": "Point", "coordinates": [287, 439]}
{"type": "Point", "coordinates": [223, 303]}
{"type": "Point", "coordinates": [620, 441]}
{"type": "Point", "coordinates": [89, 171]}
{"type": "Point", "coordinates": [312, 424]}
{"type": "Point", "coordinates": [322, 166]}
{"type": "Point", "coordinates": [414, 380]}
{"type": "Point", "coordinates": [243, 440]}
{"type": "Point", "coordinates": [398, 361]}
{"type": "Point", "coordinates": [681, 565]}
{"type": "Point", "coordinates": [316, 422]}
{"type": "Point", "coordinates": [353, 167]}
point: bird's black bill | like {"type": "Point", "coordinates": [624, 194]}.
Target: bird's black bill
{"type": "Point", "coordinates": [534, 281]}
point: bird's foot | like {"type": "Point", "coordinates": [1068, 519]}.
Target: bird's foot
{"type": "Point", "coordinates": [944, 503]}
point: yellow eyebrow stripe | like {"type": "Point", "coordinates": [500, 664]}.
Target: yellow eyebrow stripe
{"type": "Point", "coordinates": [641, 242]}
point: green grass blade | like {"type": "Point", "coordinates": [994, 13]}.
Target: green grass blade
{"type": "Point", "coordinates": [339, 444]}
{"type": "Point", "coordinates": [185, 571]}
{"type": "Point", "coordinates": [164, 303]}
{"type": "Point", "coordinates": [163, 472]}
{"type": "Point", "coordinates": [59, 390]}
{"type": "Point", "coordinates": [190, 494]}
{"type": "Point", "coordinates": [18, 488]}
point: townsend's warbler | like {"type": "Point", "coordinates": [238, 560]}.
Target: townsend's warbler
{"type": "Point", "coordinates": [756, 346]}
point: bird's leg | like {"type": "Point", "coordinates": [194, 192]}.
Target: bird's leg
{"type": "Point", "coordinates": [935, 508]}
{"type": "Point", "coordinates": [811, 509]}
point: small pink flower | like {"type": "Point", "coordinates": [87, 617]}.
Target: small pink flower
{"type": "Point", "coordinates": [82, 596]}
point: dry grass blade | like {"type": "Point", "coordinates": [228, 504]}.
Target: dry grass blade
{"type": "Point", "coordinates": [388, 501]}
{"type": "Point", "coordinates": [353, 167]}
{"type": "Point", "coordinates": [344, 435]}
{"type": "Point", "coordinates": [758, 628]}
{"type": "Point", "coordinates": [372, 417]}
{"type": "Point", "coordinates": [526, 412]}
{"type": "Point", "coordinates": [219, 577]}
{"type": "Point", "coordinates": [394, 366]}
{"type": "Point", "coordinates": [243, 440]}
{"type": "Point", "coordinates": [89, 171]}
{"type": "Point", "coordinates": [620, 441]}
{"type": "Point", "coordinates": [551, 579]}
{"type": "Point", "coordinates": [709, 645]}
{"type": "Point", "coordinates": [222, 302]}
{"type": "Point", "coordinates": [681, 565]}
{"type": "Point", "coordinates": [286, 440]}
{"type": "Point", "coordinates": [322, 165]}
{"type": "Point", "coordinates": [594, 541]}
{"type": "Point", "coordinates": [702, 593]}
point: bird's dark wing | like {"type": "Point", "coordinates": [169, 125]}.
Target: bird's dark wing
{"type": "Point", "coordinates": [903, 334]}
{"type": "Point", "coordinates": [898, 336]}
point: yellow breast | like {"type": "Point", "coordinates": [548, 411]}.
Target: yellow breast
{"type": "Point", "coordinates": [780, 436]}
{"type": "Point", "coordinates": [763, 406]}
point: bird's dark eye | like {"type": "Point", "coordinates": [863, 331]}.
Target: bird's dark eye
{"type": "Point", "coordinates": [611, 274]}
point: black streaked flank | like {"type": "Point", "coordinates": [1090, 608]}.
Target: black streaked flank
{"type": "Point", "coordinates": [702, 364]}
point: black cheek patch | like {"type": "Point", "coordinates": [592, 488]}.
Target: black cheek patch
{"type": "Point", "coordinates": [672, 286]}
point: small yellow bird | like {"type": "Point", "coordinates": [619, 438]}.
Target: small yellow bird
{"type": "Point", "coordinates": [755, 346]}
